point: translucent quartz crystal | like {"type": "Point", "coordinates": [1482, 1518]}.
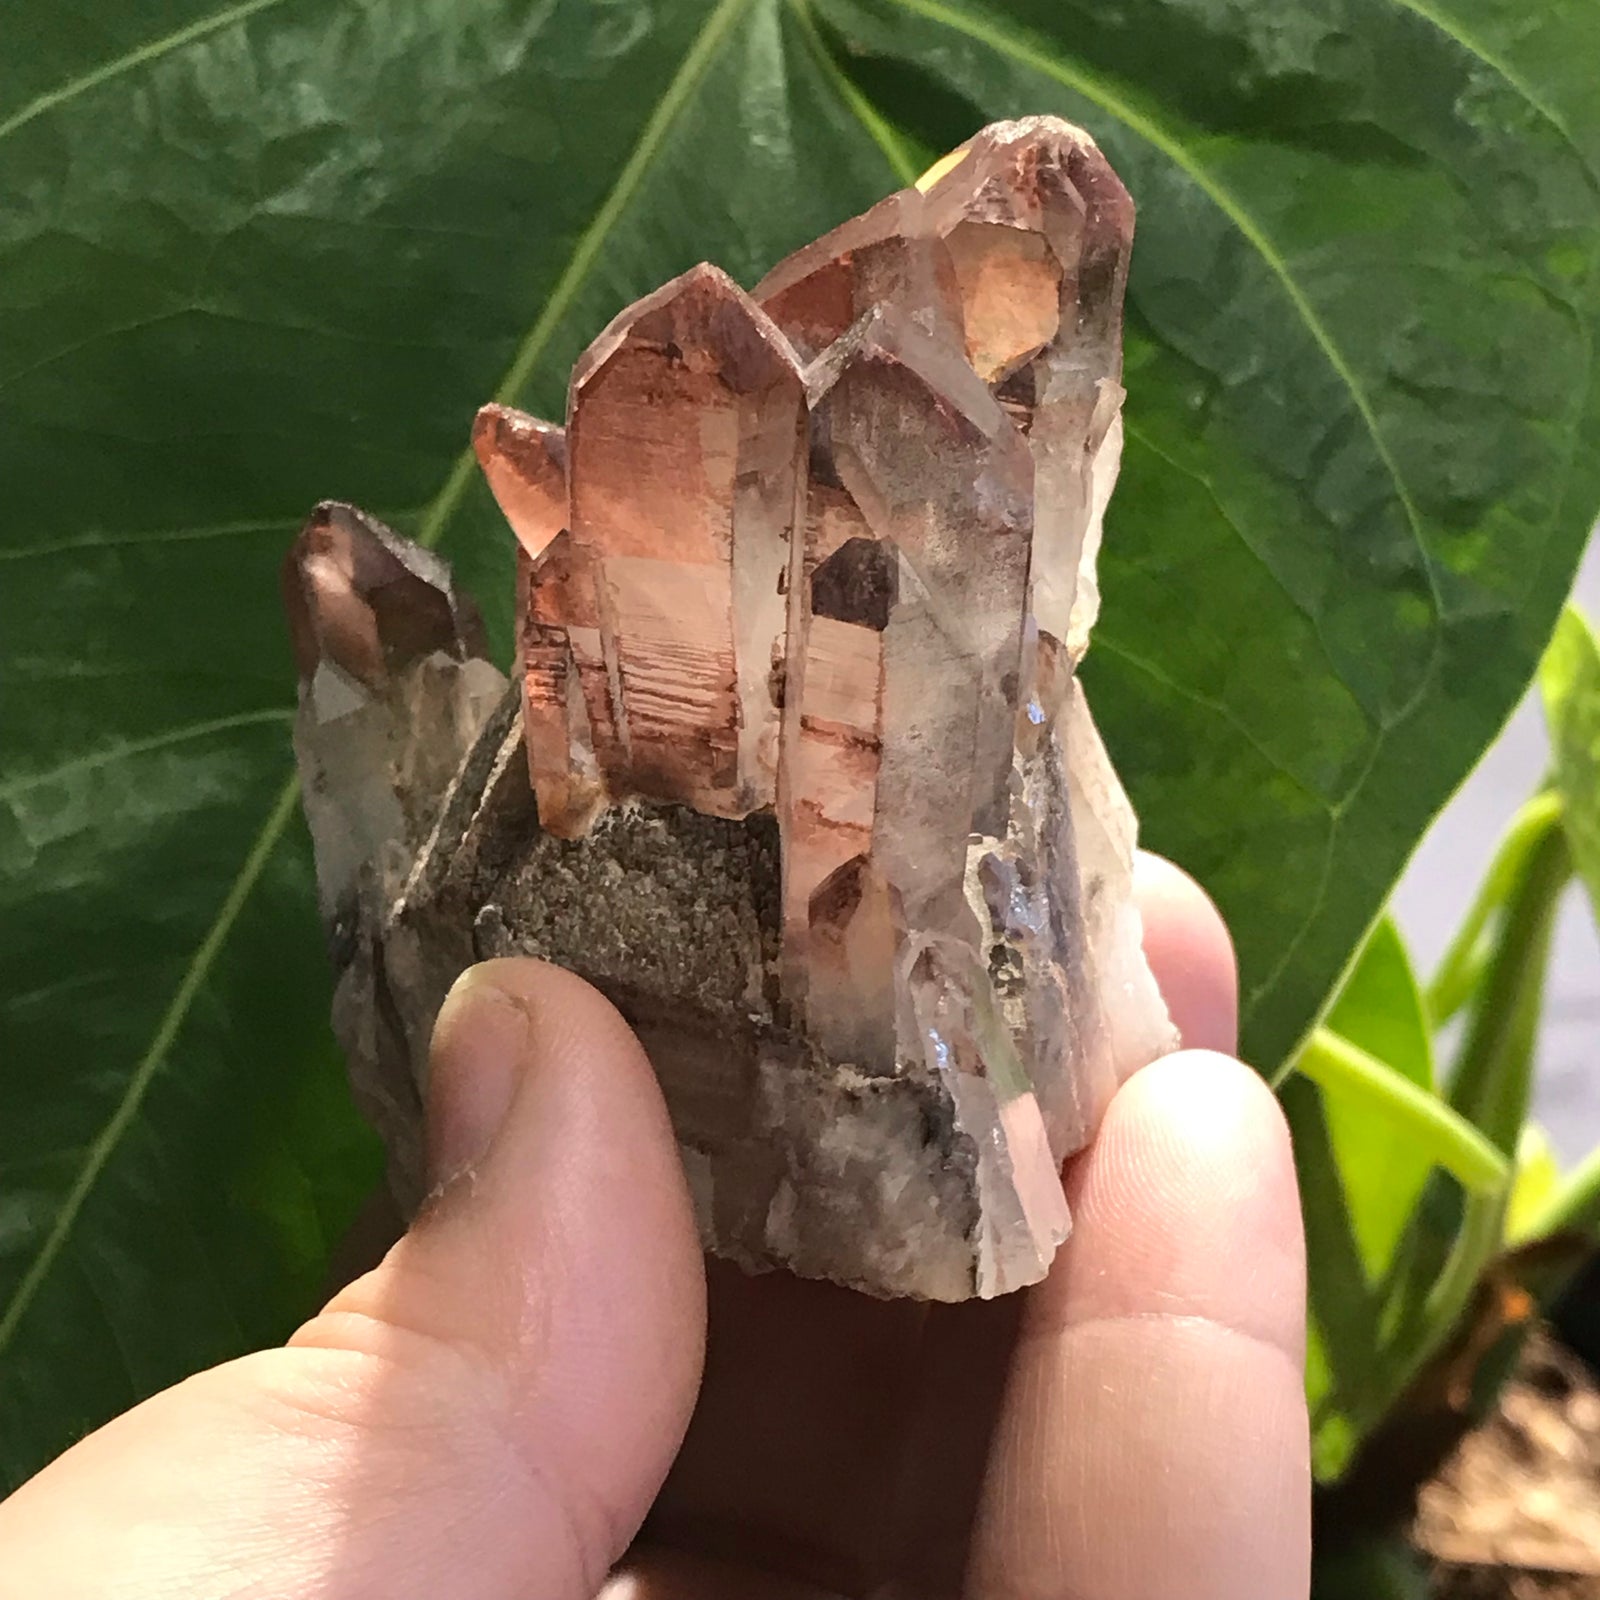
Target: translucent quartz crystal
{"type": "Point", "coordinates": [685, 437]}
{"type": "Point", "coordinates": [525, 461]}
{"type": "Point", "coordinates": [802, 588]}
{"type": "Point", "coordinates": [1016, 253]}
{"type": "Point", "coordinates": [560, 657]}
{"type": "Point", "coordinates": [393, 692]}
{"type": "Point", "coordinates": [384, 643]}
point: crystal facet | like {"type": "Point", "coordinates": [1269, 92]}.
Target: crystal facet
{"type": "Point", "coordinates": [394, 690]}
{"type": "Point", "coordinates": [685, 436]}
{"type": "Point", "coordinates": [815, 794]}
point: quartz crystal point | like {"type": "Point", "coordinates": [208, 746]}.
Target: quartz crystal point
{"type": "Point", "coordinates": [685, 437]}
{"type": "Point", "coordinates": [525, 462]}
{"type": "Point", "coordinates": [394, 690]}
{"type": "Point", "coordinates": [797, 767]}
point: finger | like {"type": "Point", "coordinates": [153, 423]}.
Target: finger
{"type": "Point", "coordinates": [671, 1575]}
{"type": "Point", "coordinates": [1153, 1441]}
{"type": "Point", "coordinates": [838, 1436]}
{"type": "Point", "coordinates": [486, 1415]}
{"type": "Point", "coordinates": [1190, 953]}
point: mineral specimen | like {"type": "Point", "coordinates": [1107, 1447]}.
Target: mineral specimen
{"type": "Point", "coordinates": [797, 767]}
{"type": "Point", "coordinates": [393, 691]}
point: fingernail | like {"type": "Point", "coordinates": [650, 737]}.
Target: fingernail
{"type": "Point", "coordinates": [480, 1042]}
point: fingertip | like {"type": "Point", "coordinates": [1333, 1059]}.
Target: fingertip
{"type": "Point", "coordinates": [475, 1057]}
{"type": "Point", "coordinates": [1190, 952]}
{"type": "Point", "coordinates": [1203, 1116]}
{"type": "Point", "coordinates": [1188, 1201]}
{"type": "Point", "coordinates": [578, 1189]}
{"type": "Point", "coordinates": [1154, 1441]}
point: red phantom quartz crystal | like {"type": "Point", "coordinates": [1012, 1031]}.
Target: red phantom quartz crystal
{"type": "Point", "coordinates": [827, 549]}
{"type": "Point", "coordinates": [797, 767]}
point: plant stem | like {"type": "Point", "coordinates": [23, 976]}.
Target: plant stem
{"type": "Point", "coordinates": [1490, 1085]}
{"type": "Point", "coordinates": [1463, 964]}
{"type": "Point", "coordinates": [1482, 1223]}
{"type": "Point", "coordinates": [1448, 1139]}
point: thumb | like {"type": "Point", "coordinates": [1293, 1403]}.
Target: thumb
{"type": "Point", "coordinates": [486, 1414]}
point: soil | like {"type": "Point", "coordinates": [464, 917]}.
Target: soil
{"type": "Point", "coordinates": [1515, 1514]}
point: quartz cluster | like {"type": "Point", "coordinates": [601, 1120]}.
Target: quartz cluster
{"type": "Point", "coordinates": [810, 786]}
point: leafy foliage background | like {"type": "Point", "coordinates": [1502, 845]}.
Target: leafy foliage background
{"type": "Point", "coordinates": [255, 256]}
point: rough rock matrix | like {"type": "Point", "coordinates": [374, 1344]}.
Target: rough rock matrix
{"type": "Point", "coordinates": [796, 766]}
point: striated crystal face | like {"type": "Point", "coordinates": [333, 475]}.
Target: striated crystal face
{"type": "Point", "coordinates": [802, 588]}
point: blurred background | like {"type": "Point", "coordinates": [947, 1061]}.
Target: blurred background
{"type": "Point", "coordinates": [1443, 877]}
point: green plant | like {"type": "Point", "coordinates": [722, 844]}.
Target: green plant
{"type": "Point", "coordinates": [1438, 1222]}
{"type": "Point", "coordinates": [256, 255]}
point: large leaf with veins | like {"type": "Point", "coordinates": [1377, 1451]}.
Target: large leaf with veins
{"type": "Point", "coordinates": [254, 256]}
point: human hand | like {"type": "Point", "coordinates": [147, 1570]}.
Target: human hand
{"type": "Point", "coordinates": [489, 1414]}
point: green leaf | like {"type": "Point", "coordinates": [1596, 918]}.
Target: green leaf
{"type": "Point", "coordinates": [1558, 1205]}
{"type": "Point", "coordinates": [1382, 1161]}
{"type": "Point", "coordinates": [1537, 1183]}
{"type": "Point", "coordinates": [1389, 1250]}
{"type": "Point", "coordinates": [1376, 1570]}
{"type": "Point", "coordinates": [1569, 682]}
{"type": "Point", "coordinates": [1464, 964]}
{"type": "Point", "coordinates": [1437, 1233]}
{"type": "Point", "coordinates": [1345, 1324]}
{"type": "Point", "coordinates": [1380, 1007]}
{"type": "Point", "coordinates": [255, 255]}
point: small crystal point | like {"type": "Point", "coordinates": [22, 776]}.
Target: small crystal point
{"type": "Point", "coordinates": [394, 691]}
{"type": "Point", "coordinates": [559, 657]}
{"type": "Point", "coordinates": [877, 259]}
{"type": "Point", "coordinates": [816, 797]}
{"type": "Point", "coordinates": [361, 599]}
{"type": "Point", "coordinates": [525, 463]}
{"type": "Point", "coordinates": [564, 685]}
{"type": "Point", "coordinates": [393, 688]}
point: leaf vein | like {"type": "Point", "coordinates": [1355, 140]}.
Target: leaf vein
{"type": "Point", "coordinates": [127, 1108]}
{"type": "Point", "coordinates": [1453, 30]}
{"type": "Point", "coordinates": [129, 61]}
{"type": "Point", "coordinates": [852, 98]}
{"type": "Point", "coordinates": [1195, 476]}
{"type": "Point", "coordinates": [1221, 709]}
{"type": "Point", "coordinates": [573, 276]}
{"type": "Point", "coordinates": [1090, 86]}
{"type": "Point", "coordinates": [147, 536]}
{"type": "Point", "coordinates": [139, 747]}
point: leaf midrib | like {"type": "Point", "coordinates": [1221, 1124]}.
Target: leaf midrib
{"type": "Point", "coordinates": [166, 740]}
{"type": "Point", "coordinates": [677, 94]}
{"type": "Point", "coordinates": [854, 101]}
